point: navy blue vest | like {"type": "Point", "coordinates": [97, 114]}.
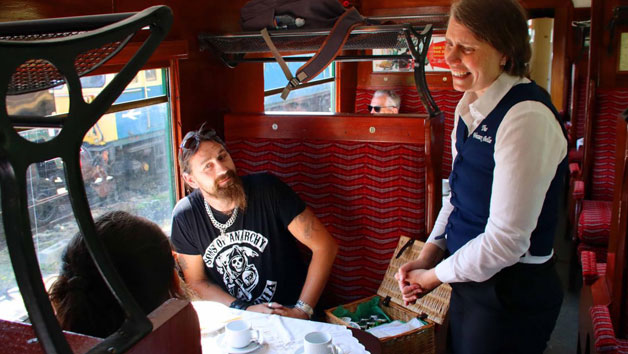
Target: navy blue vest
{"type": "Point", "coordinates": [471, 178]}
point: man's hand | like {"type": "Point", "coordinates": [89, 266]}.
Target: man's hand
{"type": "Point", "coordinates": [267, 307]}
{"type": "Point", "coordinates": [292, 312]}
{"type": "Point", "coordinates": [276, 308]}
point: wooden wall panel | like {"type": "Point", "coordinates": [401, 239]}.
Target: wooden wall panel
{"type": "Point", "coordinates": [368, 6]}
{"type": "Point", "coordinates": [346, 79]}
{"type": "Point", "coordinates": [17, 10]}
{"type": "Point", "coordinates": [561, 62]}
{"type": "Point", "coordinates": [367, 79]}
{"type": "Point", "coordinates": [607, 62]}
{"type": "Point", "coordinates": [342, 127]}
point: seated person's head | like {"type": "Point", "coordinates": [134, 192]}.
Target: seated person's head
{"type": "Point", "coordinates": [385, 101]}
{"type": "Point", "coordinates": [207, 165]}
{"type": "Point", "coordinates": [141, 254]}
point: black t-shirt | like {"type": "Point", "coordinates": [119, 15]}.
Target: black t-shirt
{"type": "Point", "coordinates": [258, 259]}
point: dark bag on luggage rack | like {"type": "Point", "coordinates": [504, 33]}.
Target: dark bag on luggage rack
{"type": "Point", "coordinates": [262, 15]}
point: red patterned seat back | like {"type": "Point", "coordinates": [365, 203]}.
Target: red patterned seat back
{"type": "Point", "coordinates": [411, 103]}
{"type": "Point", "coordinates": [609, 105]}
{"type": "Point", "coordinates": [579, 113]}
{"type": "Point", "coordinates": [366, 193]}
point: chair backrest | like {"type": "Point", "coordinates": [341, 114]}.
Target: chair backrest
{"type": "Point", "coordinates": [599, 163]}
{"type": "Point", "coordinates": [37, 55]}
{"type": "Point", "coordinates": [578, 100]}
{"type": "Point", "coordinates": [411, 103]}
{"type": "Point", "coordinates": [367, 192]}
{"type": "Point", "coordinates": [617, 253]}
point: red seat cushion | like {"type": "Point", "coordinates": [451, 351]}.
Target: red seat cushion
{"type": "Point", "coordinates": [578, 190]}
{"type": "Point", "coordinates": [574, 169]}
{"type": "Point", "coordinates": [575, 155]}
{"type": "Point", "coordinates": [600, 251]}
{"type": "Point", "coordinates": [589, 270]}
{"type": "Point", "coordinates": [594, 223]}
{"type": "Point", "coordinates": [605, 340]}
{"type": "Point", "coordinates": [622, 346]}
{"type": "Point", "coordinates": [610, 103]}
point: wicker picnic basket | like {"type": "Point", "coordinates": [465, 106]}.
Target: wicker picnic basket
{"type": "Point", "coordinates": [434, 306]}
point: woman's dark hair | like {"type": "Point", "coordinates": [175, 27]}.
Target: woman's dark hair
{"type": "Point", "coordinates": [142, 255]}
{"type": "Point", "coordinates": [501, 23]}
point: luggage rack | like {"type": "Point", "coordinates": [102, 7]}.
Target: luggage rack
{"type": "Point", "coordinates": [411, 39]}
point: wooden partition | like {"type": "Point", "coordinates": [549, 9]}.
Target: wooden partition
{"type": "Point", "coordinates": [370, 179]}
{"type": "Point", "coordinates": [617, 253]}
{"type": "Point", "coordinates": [175, 330]}
{"type": "Point", "coordinates": [603, 308]}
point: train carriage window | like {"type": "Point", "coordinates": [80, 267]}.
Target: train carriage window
{"type": "Point", "coordinates": [151, 75]}
{"type": "Point", "coordinates": [125, 159]}
{"type": "Point", "coordinates": [317, 96]}
{"type": "Point", "coordinates": [93, 81]}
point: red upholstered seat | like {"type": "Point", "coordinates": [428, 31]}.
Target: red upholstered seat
{"type": "Point", "coordinates": [575, 155]}
{"type": "Point", "coordinates": [605, 340]}
{"type": "Point", "coordinates": [578, 191]}
{"type": "Point", "coordinates": [600, 251]}
{"type": "Point", "coordinates": [622, 346]}
{"type": "Point", "coordinates": [591, 269]}
{"type": "Point", "coordinates": [411, 103]}
{"type": "Point", "coordinates": [594, 222]}
{"type": "Point", "coordinates": [366, 194]}
{"type": "Point", "coordinates": [578, 114]}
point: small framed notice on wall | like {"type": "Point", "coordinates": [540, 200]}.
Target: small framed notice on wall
{"type": "Point", "coordinates": [623, 52]}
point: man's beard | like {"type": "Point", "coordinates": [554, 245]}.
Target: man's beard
{"type": "Point", "coordinates": [232, 191]}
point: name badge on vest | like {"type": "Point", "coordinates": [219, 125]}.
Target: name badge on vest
{"type": "Point", "coordinates": [483, 138]}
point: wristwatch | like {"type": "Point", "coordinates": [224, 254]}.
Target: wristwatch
{"type": "Point", "coordinates": [239, 304]}
{"type": "Point", "coordinates": [309, 311]}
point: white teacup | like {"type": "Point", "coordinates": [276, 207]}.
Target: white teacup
{"type": "Point", "coordinates": [318, 343]}
{"type": "Point", "coordinates": [238, 334]}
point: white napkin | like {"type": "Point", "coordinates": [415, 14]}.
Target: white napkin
{"type": "Point", "coordinates": [211, 325]}
{"type": "Point", "coordinates": [272, 329]}
{"type": "Point", "coordinates": [395, 327]}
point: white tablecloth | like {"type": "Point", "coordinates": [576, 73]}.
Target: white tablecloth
{"type": "Point", "coordinates": [281, 335]}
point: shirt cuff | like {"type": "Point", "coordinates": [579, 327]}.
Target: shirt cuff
{"type": "Point", "coordinates": [444, 271]}
{"type": "Point", "coordinates": [439, 240]}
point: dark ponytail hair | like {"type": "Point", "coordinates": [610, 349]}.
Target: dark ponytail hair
{"type": "Point", "coordinates": [141, 254]}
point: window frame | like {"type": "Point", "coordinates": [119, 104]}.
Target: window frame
{"type": "Point", "coordinates": [334, 78]}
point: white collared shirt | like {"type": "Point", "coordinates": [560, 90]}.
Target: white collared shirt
{"type": "Point", "coordinates": [529, 145]}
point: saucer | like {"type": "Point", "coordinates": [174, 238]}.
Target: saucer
{"type": "Point", "coordinates": [301, 350]}
{"type": "Point", "coordinates": [253, 346]}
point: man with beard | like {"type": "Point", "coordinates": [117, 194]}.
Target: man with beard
{"type": "Point", "coordinates": [237, 236]}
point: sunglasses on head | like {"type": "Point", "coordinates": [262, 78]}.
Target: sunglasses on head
{"type": "Point", "coordinates": [377, 109]}
{"type": "Point", "coordinates": [193, 139]}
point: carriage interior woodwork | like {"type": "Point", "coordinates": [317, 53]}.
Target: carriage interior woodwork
{"type": "Point", "coordinates": [372, 179]}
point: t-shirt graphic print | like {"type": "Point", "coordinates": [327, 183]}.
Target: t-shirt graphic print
{"type": "Point", "coordinates": [234, 257]}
